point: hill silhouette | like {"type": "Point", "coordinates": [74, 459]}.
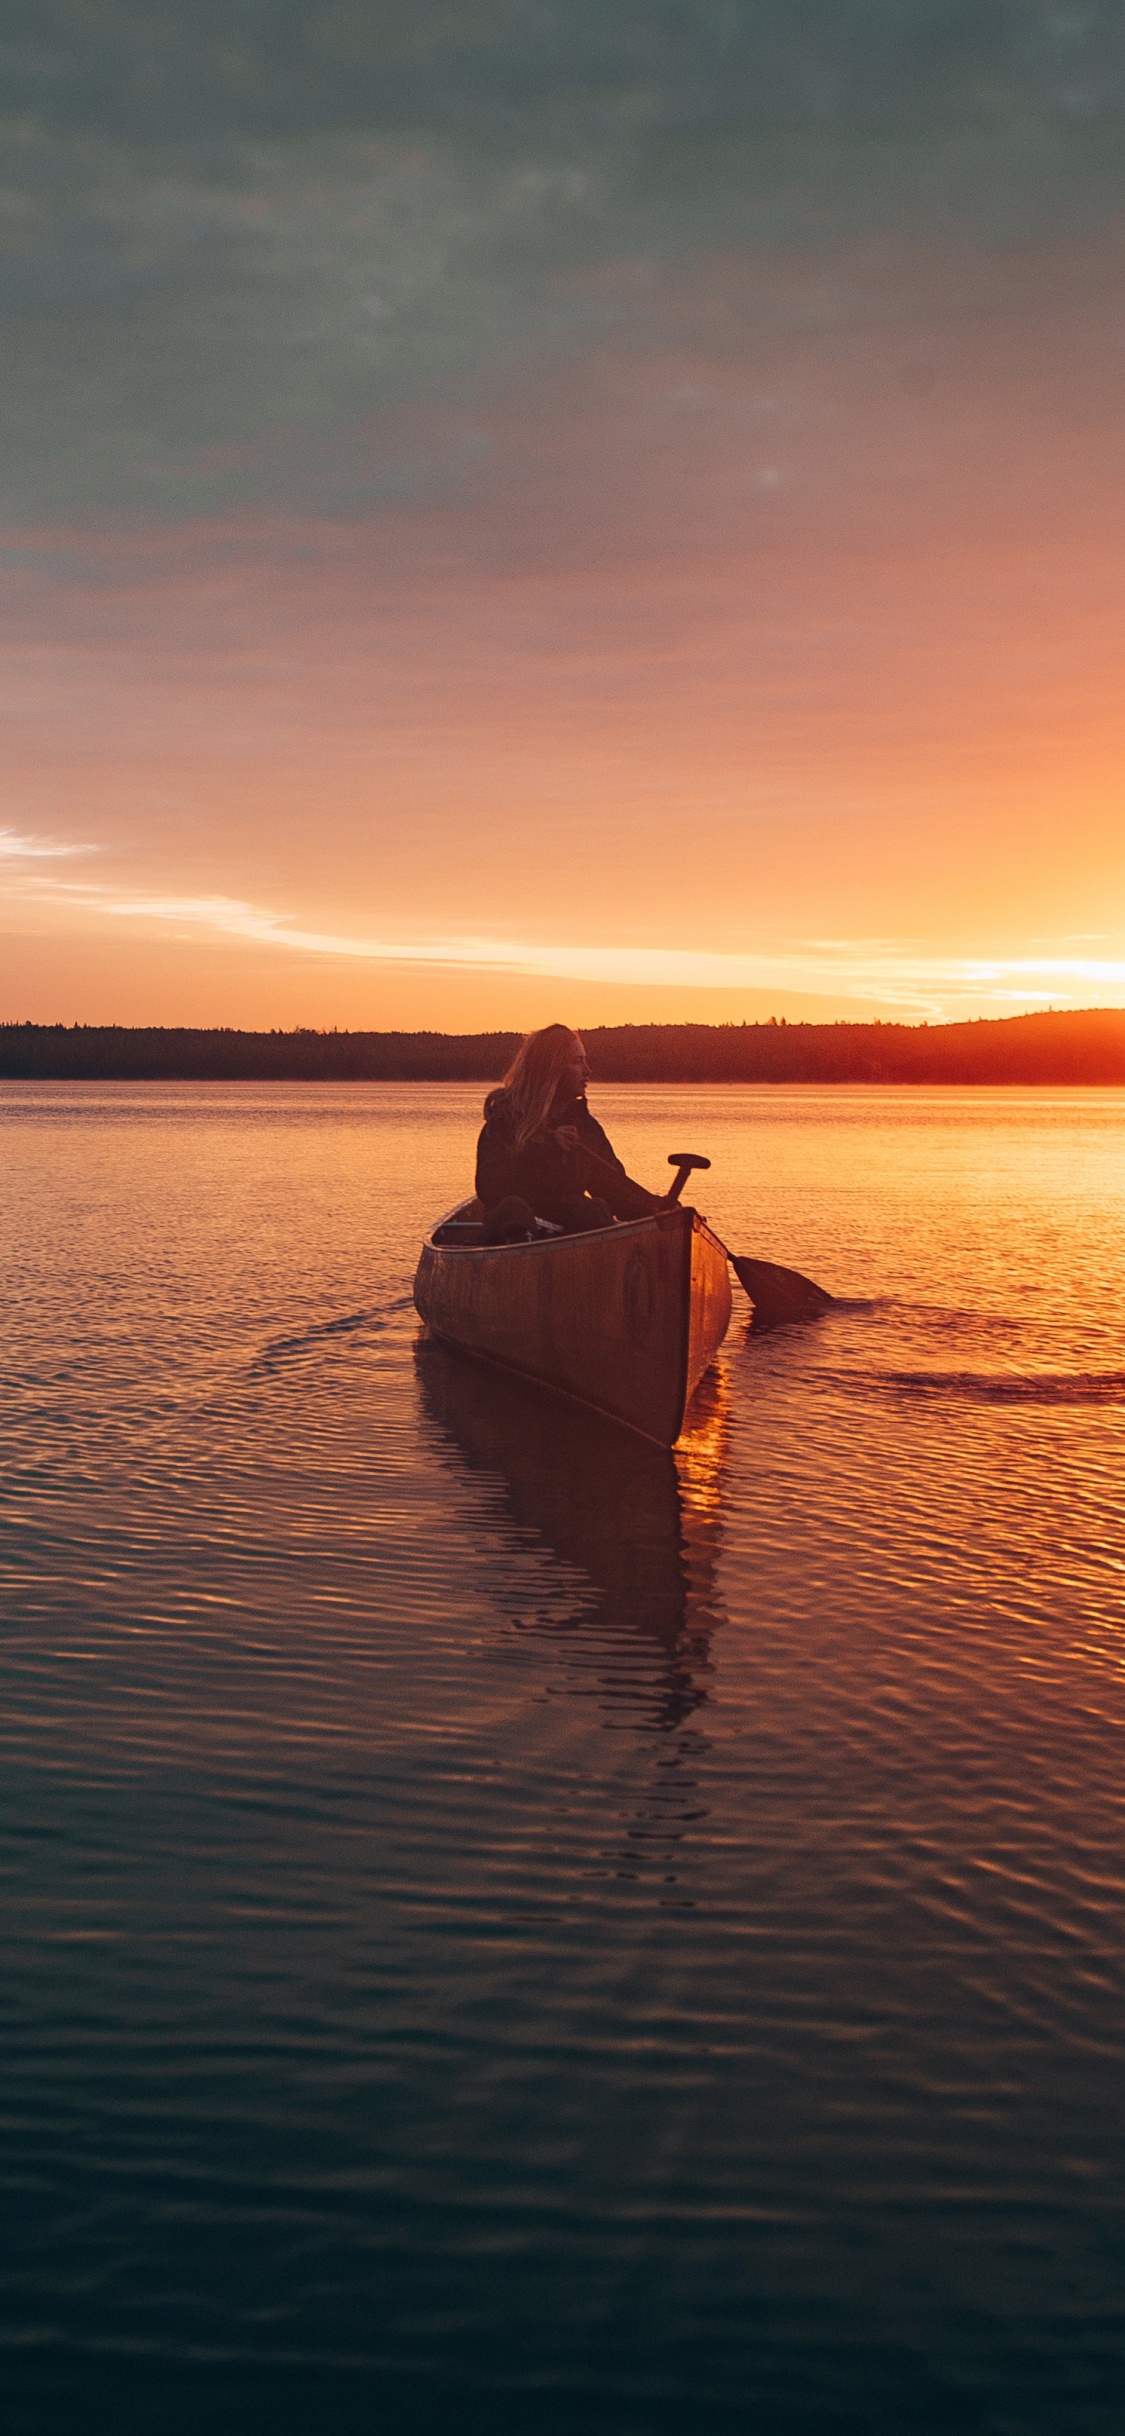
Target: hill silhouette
{"type": "Point", "coordinates": [1085, 1047]}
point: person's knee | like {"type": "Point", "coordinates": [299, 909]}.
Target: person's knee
{"type": "Point", "coordinates": [511, 1221]}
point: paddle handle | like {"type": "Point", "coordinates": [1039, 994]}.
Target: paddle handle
{"type": "Point", "coordinates": [683, 1161]}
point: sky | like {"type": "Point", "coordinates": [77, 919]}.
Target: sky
{"type": "Point", "coordinates": [600, 510]}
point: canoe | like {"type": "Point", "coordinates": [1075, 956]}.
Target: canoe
{"type": "Point", "coordinates": [625, 1319]}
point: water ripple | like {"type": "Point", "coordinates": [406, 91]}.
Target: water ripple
{"type": "Point", "coordinates": [504, 1925]}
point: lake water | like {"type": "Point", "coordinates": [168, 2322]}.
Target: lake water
{"type": "Point", "coordinates": [506, 1929]}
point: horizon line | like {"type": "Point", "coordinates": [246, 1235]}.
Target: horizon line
{"type": "Point", "coordinates": [766, 1023]}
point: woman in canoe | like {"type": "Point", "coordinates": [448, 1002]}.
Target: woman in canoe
{"type": "Point", "coordinates": [542, 1155]}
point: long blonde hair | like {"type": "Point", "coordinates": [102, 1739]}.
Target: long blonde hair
{"type": "Point", "coordinates": [533, 1078]}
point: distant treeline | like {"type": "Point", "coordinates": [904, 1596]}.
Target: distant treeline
{"type": "Point", "coordinates": [1050, 1048]}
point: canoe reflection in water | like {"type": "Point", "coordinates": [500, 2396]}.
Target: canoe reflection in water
{"type": "Point", "coordinates": [636, 1523]}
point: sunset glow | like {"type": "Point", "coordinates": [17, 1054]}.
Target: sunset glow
{"type": "Point", "coordinates": [565, 574]}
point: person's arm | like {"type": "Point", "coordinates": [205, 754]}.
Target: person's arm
{"type": "Point", "coordinates": [596, 1168]}
{"type": "Point", "coordinates": [494, 1158]}
{"type": "Point", "coordinates": [594, 1139]}
{"type": "Point", "coordinates": [607, 1179]}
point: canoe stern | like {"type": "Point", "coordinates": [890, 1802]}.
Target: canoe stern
{"type": "Point", "coordinates": [710, 1301]}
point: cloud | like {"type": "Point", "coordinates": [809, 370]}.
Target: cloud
{"type": "Point", "coordinates": [15, 848]}
{"type": "Point", "coordinates": [209, 68]}
{"type": "Point", "coordinates": [232, 325]}
{"type": "Point", "coordinates": [241, 323]}
{"type": "Point", "coordinates": [882, 972]}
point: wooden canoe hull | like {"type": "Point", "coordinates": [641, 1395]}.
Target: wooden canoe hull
{"type": "Point", "coordinates": [625, 1318]}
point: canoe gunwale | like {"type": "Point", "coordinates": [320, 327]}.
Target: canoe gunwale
{"type": "Point", "coordinates": [614, 1232]}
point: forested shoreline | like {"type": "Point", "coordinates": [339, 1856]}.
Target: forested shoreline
{"type": "Point", "coordinates": [1074, 1048]}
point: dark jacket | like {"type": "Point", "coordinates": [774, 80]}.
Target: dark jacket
{"type": "Point", "coordinates": [542, 1173]}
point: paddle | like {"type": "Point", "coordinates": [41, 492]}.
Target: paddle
{"type": "Point", "coordinates": [777, 1294]}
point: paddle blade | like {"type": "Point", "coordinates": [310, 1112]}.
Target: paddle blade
{"type": "Point", "coordinates": [777, 1294]}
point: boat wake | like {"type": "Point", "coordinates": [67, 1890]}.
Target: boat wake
{"type": "Point", "coordinates": [291, 1348]}
{"type": "Point", "coordinates": [1003, 1387]}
